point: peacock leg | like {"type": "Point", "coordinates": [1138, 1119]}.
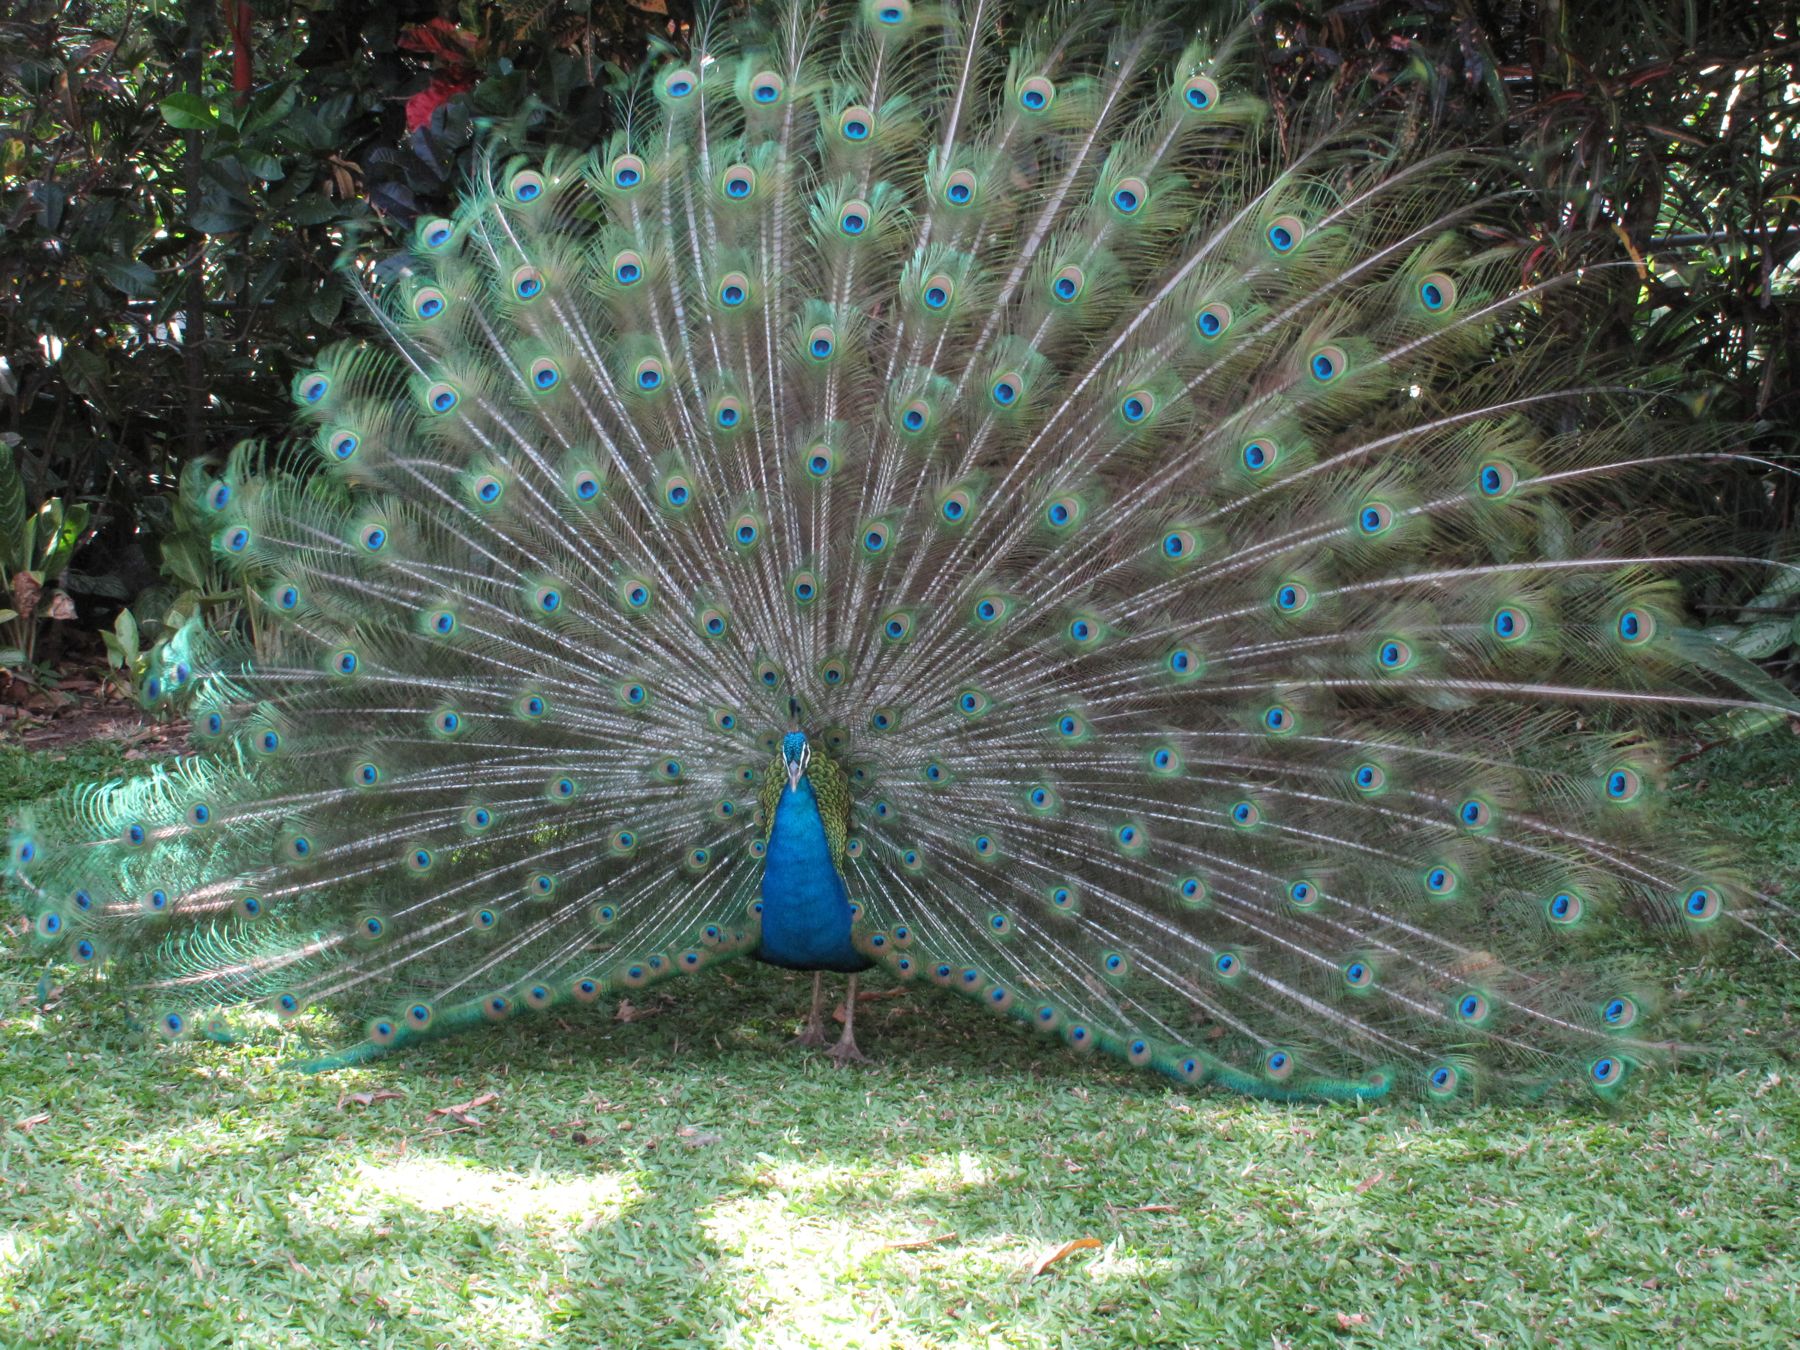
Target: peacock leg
{"type": "Point", "coordinates": [814, 1031]}
{"type": "Point", "coordinates": [845, 1050]}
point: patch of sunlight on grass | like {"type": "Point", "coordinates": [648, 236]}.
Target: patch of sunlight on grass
{"type": "Point", "coordinates": [439, 1186]}
{"type": "Point", "coordinates": [802, 1262]}
{"type": "Point", "coordinates": [14, 1251]}
{"type": "Point", "coordinates": [933, 1174]}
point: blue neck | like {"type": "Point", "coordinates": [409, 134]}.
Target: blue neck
{"type": "Point", "coordinates": [806, 911]}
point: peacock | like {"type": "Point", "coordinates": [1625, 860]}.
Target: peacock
{"type": "Point", "coordinates": [979, 501]}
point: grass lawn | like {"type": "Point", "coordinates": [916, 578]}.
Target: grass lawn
{"type": "Point", "coordinates": [684, 1178]}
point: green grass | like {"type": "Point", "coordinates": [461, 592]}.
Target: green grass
{"type": "Point", "coordinates": [722, 1189]}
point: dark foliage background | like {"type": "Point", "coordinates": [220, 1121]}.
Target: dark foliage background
{"type": "Point", "coordinates": [182, 183]}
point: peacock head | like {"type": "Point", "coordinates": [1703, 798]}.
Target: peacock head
{"type": "Point", "coordinates": [794, 755]}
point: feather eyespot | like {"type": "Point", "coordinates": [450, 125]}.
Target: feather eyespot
{"type": "Point", "coordinates": [429, 302]}
{"type": "Point", "coordinates": [1200, 93]}
{"type": "Point", "coordinates": [1327, 363]}
{"type": "Point", "coordinates": [960, 188]}
{"type": "Point", "coordinates": [627, 171]}
{"type": "Point", "coordinates": [1563, 908]}
{"type": "Point", "coordinates": [856, 124]}
{"type": "Point", "coordinates": [1623, 784]}
{"type": "Point", "coordinates": [821, 342]}
{"type": "Point", "coordinates": [435, 232]}
{"type": "Point", "coordinates": [1191, 891]}
{"type": "Point", "coordinates": [1292, 597]}
{"type": "Point", "coordinates": [1374, 518]}
{"type": "Point", "coordinates": [1285, 233]}
{"type": "Point", "coordinates": [955, 506]}
{"type": "Point", "coordinates": [1701, 905]}
{"type": "Point", "coordinates": [1036, 94]}
{"type": "Point", "coordinates": [680, 83]}
{"type": "Point", "coordinates": [766, 88]}
{"type": "Point", "coordinates": [1511, 624]}
{"type": "Point", "coordinates": [441, 397]}
{"type": "Point", "coordinates": [648, 375]}
{"type": "Point", "coordinates": [1475, 814]}
{"type": "Point", "coordinates": [1619, 1012]}
{"type": "Point", "coordinates": [938, 291]}
{"type": "Point", "coordinates": [628, 267]}
{"type": "Point", "coordinates": [528, 283]}
{"type": "Point", "coordinates": [1213, 321]}
{"type": "Point", "coordinates": [915, 416]}
{"type": "Point", "coordinates": [734, 289]}
{"type": "Point", "coordinates": [1496, 479]}
{"type": "Point", "coordinates": [525, 186]}
{"type": "Point", "coordinates": [1635, 627]}
{"type": "Point", "coordinates": [1129, 195]}
{"type": "Point", "coordinates": [1437, 292]}
{"type": "Point", "coordinates": [1067, 285]}
{"type": "Point", "coordinates": [853, 218]}
{"type": "Point", "coordinates": [1394, 654]}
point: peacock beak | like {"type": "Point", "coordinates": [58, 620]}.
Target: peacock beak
{"type": "Point", "coordinates": [794, 770]}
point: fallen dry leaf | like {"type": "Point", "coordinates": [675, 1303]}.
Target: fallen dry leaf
{"type": "Point", "coordinates": [1367, 1183]}
{"type": "Point", "coordinates": [1068, 1248]}
{"type": "Point", "coordinates": [697, 1138]}
{"type": "Point", "coordinates": [25, 592]}
{"type": "Point", "coordinates": [460, 1112]}
{"type": "Point", "coordinates": [368, 1098]}
{"type": "Point", "coordinates": [1346, 1321]}
{"type": "Point", "coordinates": [30, 1123]}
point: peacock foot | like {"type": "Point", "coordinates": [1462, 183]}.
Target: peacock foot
{"type": "Point", "coordinates": [814, 1034]}
{"type": "Point", "coordinates": [845, 1052]}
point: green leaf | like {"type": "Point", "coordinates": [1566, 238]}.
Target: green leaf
{"type": "Point", "coordinates": [60, 542]}
{"type": "Point", "coordinates": [189, 112]}
{"type": "Point", "coordinates": [1759, 641]}
{"type": "Point", "coordinates": [125, 274]}
{"type": "Point", "coordinates": [12, 513]}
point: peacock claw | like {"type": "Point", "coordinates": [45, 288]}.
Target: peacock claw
{"type": "Point", "coordinates": [845, 1053]}
{"type": "Point", "coordinates": [811, 1036]}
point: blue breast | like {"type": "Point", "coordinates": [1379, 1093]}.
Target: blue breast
{"type": "Point", "coordinates": [806, 911]}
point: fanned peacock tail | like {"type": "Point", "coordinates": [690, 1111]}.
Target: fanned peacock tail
{"type": "Point", "coordinates": [1178, 555]}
